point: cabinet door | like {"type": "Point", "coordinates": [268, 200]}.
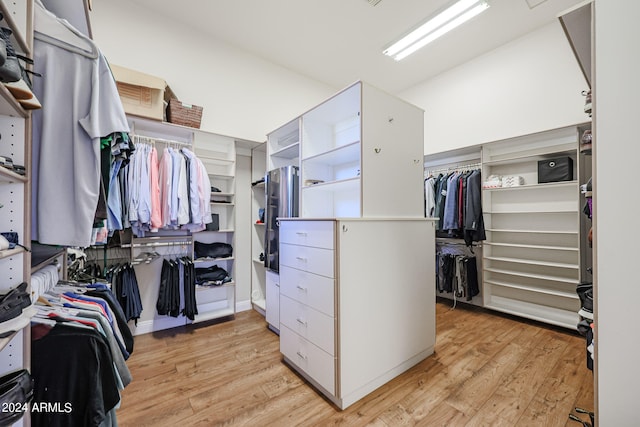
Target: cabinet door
{"type": "Point", "coordinates": [273, 299]}
{"type": "Point", "coordinates": [392, 156]}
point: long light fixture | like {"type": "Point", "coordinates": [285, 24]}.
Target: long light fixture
{"type": "Point", "coordinates": [442, 23]}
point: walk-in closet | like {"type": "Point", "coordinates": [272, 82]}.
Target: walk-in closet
{"type": "Point", "coordinates": [250, 213]}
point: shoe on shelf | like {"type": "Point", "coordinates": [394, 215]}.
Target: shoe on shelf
{"type": "Point", "coordinates": [585, 293]}
{"type": "Point", "coordinates": [586, 142]}
{"type": "Point", "coordinates": [587, 101]}
{"type": "Point", "coordinates": [14, 76]}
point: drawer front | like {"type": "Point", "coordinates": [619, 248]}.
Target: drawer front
{"type": "Point", "coordinates": [314, 260]}
{"type": "Point", "coordinates": [315, 362]}
{"type": "Point", "coordinates": [308, 288]}
{"type": "Point", "coordinates": [316, 327]}
{"type": "Point", "coordinates": [317, 234]}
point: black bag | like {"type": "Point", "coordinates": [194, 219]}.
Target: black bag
{"type": "Point", "coordinates": [555, 170]}
{"type": "Point", "coordinates": [212, 250]}
{"type": "Point", "coordinates": [16, 391]}
{"type": "Point", "coordinates": [214, 225]}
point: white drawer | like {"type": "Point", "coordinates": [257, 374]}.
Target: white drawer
{"type": "Point", "coordinates": [317, 234]}
{"type": "Point", "coordinates": [314, 260]}
{"type": "Point", "coordinates": [309, 323]}
{"type": "Point", "coordinates": [312, 360]}
{"type": "Point", "coordinates": [308, 288]}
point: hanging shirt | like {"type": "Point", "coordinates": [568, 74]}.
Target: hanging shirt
{"type": "Point", "coordinates": [154, 190]}
{"type": "Point", "coordinates": [80, 104]}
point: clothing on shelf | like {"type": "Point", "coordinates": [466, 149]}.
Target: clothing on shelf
{"type": "Point", "coordinates": [80, 343]}
{"type": "Point", "coordinates": [79, 107]}
{"type": "Point", "coordinates": [177, 283]}
{"type": "Point", "coordinates": [455, 198]}
{"type": "Point", "coordinates": [43, 280]}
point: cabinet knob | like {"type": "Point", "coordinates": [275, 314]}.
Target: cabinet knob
{"type": "Point", "coordinates": [302, 322]}
{"type": "Point", "coordinates": [301, 233]}
{"type": "Point", "coordinates": [302, 356]}
{"type": "Point", "coordinates": [377, 150]}
{"type": "Point", "coordinates": [302, 288]}
{"type": "Point", "coordinates": [299, 258]}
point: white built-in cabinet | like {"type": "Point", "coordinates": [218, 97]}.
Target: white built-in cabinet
{"type": "Point", "coordinates": [357, 266]}
{"type": "Point", "coordinates": [349, 323]}
{"type": "Point", "coordinates": [535, 252]}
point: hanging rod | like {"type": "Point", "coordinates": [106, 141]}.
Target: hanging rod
{"type": "Point", "coordinates": [453, 168]}
{"type": "Point", "coordinates": [153, 140]}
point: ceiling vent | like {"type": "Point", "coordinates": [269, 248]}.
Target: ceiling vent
{"type": "Point", "coordinates": [373, 2]}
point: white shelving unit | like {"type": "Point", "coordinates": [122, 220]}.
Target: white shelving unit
{"type": "Point", "coordinates": [15, 191]}
{"type": "Point", "coordinates": [531, 259]}
{"type": "Point", "coordinates": [218, 154]}
{"type": "Point", "coordinates": [346, 160]}
{"type": "Point", "coordinates": [326, 301]}
{"type": "Point", "coordinates": [258, 274]}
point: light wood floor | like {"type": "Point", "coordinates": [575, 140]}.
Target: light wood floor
{"type": "Point", "coordinates": [487, 370]}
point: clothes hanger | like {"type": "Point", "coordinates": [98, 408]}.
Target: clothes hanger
{"type": "Point", "coordinates": [58, 32]}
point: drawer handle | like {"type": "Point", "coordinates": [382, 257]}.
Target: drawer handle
{"type": "Point", "coordinates": [299, 258]}
{"type": "Point", "coordinates": [301, 233]}
{"type": "Point", "coordinates": [302, 322]}
{"type": "Point", "coordinates": [301, 355]}
{"type": "Point", "coordinates": [303, 289]}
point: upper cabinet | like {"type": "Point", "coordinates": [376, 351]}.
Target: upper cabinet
{"type": "Point", "coordinates": [360, 155]}
{"type": "Point", "coordinates": [577, 25]}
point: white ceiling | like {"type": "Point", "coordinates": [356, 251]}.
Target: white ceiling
{"type": "Point", "coordinates": [340, 41]}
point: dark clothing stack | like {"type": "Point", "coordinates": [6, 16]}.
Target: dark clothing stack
{"type": "Point", "coordinates": [125, 287]}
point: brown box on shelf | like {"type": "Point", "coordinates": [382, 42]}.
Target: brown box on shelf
{"type": "Point", "coordinates": [141, 94]}
{"type": "Point", "coordinates": [184, 114]}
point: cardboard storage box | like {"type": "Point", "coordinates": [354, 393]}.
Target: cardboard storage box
{"type": "Point", "coordinates": [184, 114]}
{"type": "Point", "coordinates": [141, 94]}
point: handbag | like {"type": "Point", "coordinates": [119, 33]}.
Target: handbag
{"type": "Point", "coordinates": [555, 170]}
{"type": "Point", "coordinates": [16, 391]}
{"type": "Point", "coordinates": [212, 250]}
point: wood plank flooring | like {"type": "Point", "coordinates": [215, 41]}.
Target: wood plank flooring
{"type": "Point", "coordinates": [488, 370]}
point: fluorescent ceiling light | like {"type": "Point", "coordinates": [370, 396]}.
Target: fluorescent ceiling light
{"type": "Point", "coordinates": [435, 27]}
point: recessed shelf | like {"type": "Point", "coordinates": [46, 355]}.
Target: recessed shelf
{"type": "Point", "coordinates": [348, 183]}
{"type": "Point", "coordinates": [222, 204]}
{"type": "Point", "coordinates": [533, 276]}
{"type": "Point", "coordinates": [555, 211]}
{"type": "Point", "coordinates": [214, 314]}
{"type": "Point", "coordinates": [518, 245]}
{"type": "Point", "coordinates": [533, 262]}
{"type": "Point", "coordinates": [202, 288]}
{"type": "Point", "coordinates": [558, 293]}
{"type": "Point", "coordinates": [221, 194]}
{"type": "Point", "coordinates": [500, 230]}
{"type": "Point", "coordinates": [289, 152]}
{"type": "Point", "coordinates": [534, 186]}
{"type": "Point", "coordinates": [202, 260]}
{"type": "Point", "coordinates": [346, 153]}
{"type": "Point", "coordinates": [533, 157]}
{"type": "Point", "coordinates": [554, 316]}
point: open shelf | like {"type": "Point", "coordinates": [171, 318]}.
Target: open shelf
{"type": "Point", "coordinates": [534, 186]}
{"type": "Point", "coordinates": [558, 293]}
{"type": "Point", "coordinates": [517, 245]}
{"type": "Point", "coordinates": [533, 262]}
{"type": "Point", "coordinates": [342, 184]}
{"type": "Point", "coordinates": [500, 230]}
{"type": "Point", "coordinates": [550, 315]}
{"type": "Point", "coordinates": [203, 260]}
{"type": "Point", "coordinates": [346, 153]}
{"type": "Point", "coordinates": [533, 276]}
{"type": "Point", "coordinates": [11, 252]}
{"type": "Point", "coordinates": [289, 152]}
{"type": "Point", "coordinates": [9, 176]}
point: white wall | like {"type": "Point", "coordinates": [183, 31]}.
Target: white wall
{"type": "Point", "coordinates": [243, 96]}
{"type": "Point", "coordinates": [616, 204]}
{"type": "Point", "coordinates": [529, 85]}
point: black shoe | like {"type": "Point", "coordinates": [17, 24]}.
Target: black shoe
{"type": "Point", "coordinates": [12, 303]}
{"type": "Point", "coordinates": [16, 391]}
{"type": "Point", "coordinates": [585, 293]}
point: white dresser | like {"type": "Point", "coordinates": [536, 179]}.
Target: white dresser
{"type": "Point", "coordinates": [357, 301]}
